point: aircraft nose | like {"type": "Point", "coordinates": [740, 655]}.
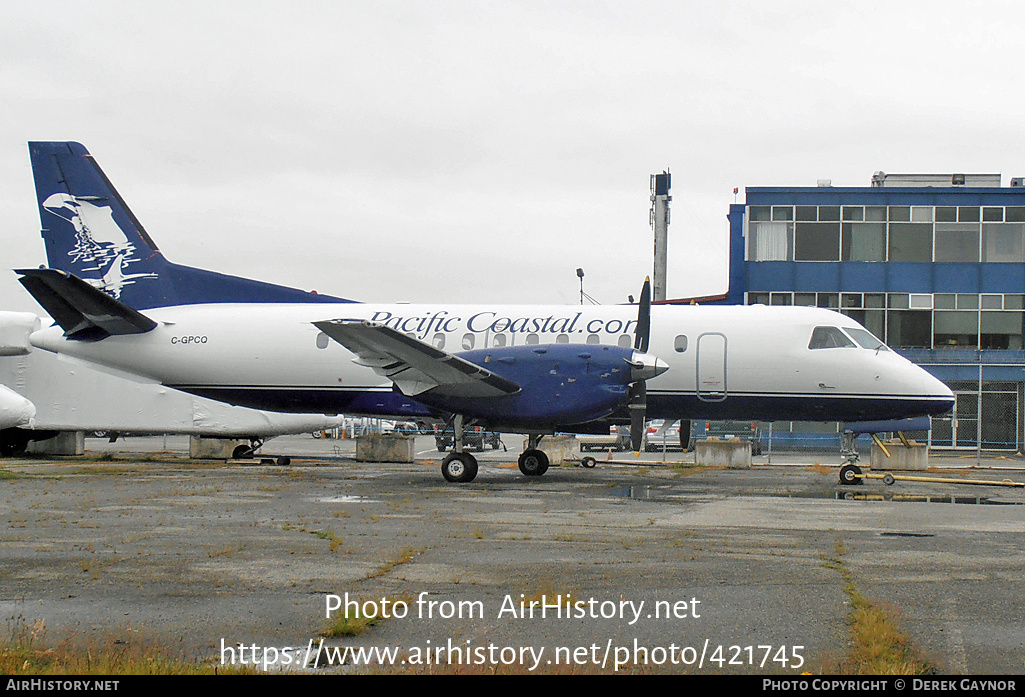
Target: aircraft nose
{"type": "Point", "coordinates": [644, 366]}
{"type": "Point", "coordinates": [938, 391]}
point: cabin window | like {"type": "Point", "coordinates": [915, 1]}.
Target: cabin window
{"type": "Point", "coordinates": [680, 344]}
{"type": "Point", "coordinates": [322, 340]}
{"type": "Point", "coordinates": [468, 341]}
{"type": "Point", "coordinates": [499, 340]}
{"type": "Point", "coordinates": [829, 337]}
{"type": "Point", "coordinates": [532, 339]}
{"type": "Point", "coordinates": [439, 341]}
{"type": "Point", "coordinates": [625, 341]}
{"type": "Point", "coordinates": [593, 339]}
{"type": "Point", "coordinates": [562, 339]}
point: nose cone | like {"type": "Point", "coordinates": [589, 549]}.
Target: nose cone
{"type": "Point", "coordinates": [939, 394]}
{"type": "Point", "coordinates": [644, 366]}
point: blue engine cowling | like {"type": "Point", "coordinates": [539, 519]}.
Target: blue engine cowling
{"type": "Point", "coordinates": [561, 384]}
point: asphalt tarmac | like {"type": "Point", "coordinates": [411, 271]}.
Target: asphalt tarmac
{"type": "Point", "coordinates": [638, 566]}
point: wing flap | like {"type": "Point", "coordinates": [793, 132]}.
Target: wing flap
{"type": "Point", "coordinates": [414, 366]}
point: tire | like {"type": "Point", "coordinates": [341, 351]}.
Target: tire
{"type": "Point", "coordinates": [849, 475]}
{"type": "Point", "coordinates": [459, 468]}
{"type": "Point", "coordinates": [242, 452]}
{"type": "Point", "coordinates": [888, 479]}
{"type": "Point", "coordinates": [533, 462]}
{"type": "Point", "coordinates": [284, 461]}
{"type": "Point", "coordinates": [589, 462]}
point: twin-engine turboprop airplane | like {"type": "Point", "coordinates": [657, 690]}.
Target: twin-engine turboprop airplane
{"type": "Point", "coordinates": [536, 370]}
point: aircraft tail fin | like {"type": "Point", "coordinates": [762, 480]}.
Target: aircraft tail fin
{"type": "Point", "coordinates": [84, 313]}
{"type": "Point", "coordinates": [90, 232]}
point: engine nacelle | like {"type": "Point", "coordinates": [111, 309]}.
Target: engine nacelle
{"type": "Point", "coordinates": [560, 383]}
{"type": "Point", "coordinates": [15, 410]}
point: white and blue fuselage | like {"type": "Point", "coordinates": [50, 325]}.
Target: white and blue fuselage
{"type": "Point", "coordinates": [730, 362]}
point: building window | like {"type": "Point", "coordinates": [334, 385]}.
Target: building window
{"type": "Point", "coordinates": [817, 242]}
{"type": "Point", "coordinates": [1001, 330]}
{"type": "Point", "coordinates": [910, 241]}
{"type": "Point", "coordinates": [909, 328]}
{"type": "Point", "coordinates": [967, 214]}
{"type": "Point", "coordinates": [956, 329]}
{"type": "Point", "coordinates": [864, 242]}
{"type": "Point", "coordinates": [957, 242]}
{"type": "Point", "coordinates": [1003, 242]}
{"type": "Point", "coordinates": [770, 242]}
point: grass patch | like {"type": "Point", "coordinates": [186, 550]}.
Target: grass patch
{"type": "Point", "coordinates": [879, 646]}
{"type": "Point", "coordinates": [404, 557]}
{"type": "Point", "coordinates": [684, 469]}
{"type": "Point", "coordinates": [329, 535]}
{"type": "Point", "coordinates": [27, 650]}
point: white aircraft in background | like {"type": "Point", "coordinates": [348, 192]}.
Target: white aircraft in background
{"type": "Point", "coordinates": [42, 394]}
{"type": "Point", "coordinates": [530, 369]}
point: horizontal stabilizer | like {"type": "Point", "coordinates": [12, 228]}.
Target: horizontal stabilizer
{"type": "Point", "coordinates": [82, 311]}
{"type": "Point", "coordinates": [412, 365]}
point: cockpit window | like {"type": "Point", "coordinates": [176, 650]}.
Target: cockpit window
{"type": "Point", "coordinates": [866, 338]}
{"type": "Point", "coordinates": [829, 337]}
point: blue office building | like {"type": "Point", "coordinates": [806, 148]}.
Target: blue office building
{"type": "Point", "coordinates": [932, 264]}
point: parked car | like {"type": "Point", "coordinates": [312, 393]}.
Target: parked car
{"type": "Point", "coordinates": [618, 439]}
{"type": "Point", "coordinates": [474, 438]}
{"type": "Point", "coordinates": [662, 435]}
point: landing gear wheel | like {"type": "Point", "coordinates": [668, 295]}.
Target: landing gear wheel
{"type": "Point", "coordinates": [284, 461]}
{"type": "Point", "coordinates": [242, 452]}
{"type": "Point", "coordinates": [459, 467]}
{"type": "Point", "coordinates": [588, 462]}
{"type": "Point", "coordinates": [888, 479]}
{"type": "Point", "coordinates": [850, 475]}
{"type": "Point", "coordinates": [533, 462]}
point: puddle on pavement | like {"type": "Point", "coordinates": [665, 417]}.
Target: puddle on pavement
{"type": "Point", "coordinates": [645, 492]}
{"type": "Point", "coordinates": [348, 499]}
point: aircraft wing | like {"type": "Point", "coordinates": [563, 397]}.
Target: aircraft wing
{"type": "Point", "coordinates": [412, 365]}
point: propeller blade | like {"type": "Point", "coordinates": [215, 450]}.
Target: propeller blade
{"type": "Point", "coordinates": [643, 330]}
{"type": "Point", "coordinates": [637, 406]}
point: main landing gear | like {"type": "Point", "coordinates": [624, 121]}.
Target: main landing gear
{"type": "Point", "coordinates": [461, 467]}
{"type": "Point", "coordinates": [458, 466]}
{"type": "Point", "coordinates": [533, 462]}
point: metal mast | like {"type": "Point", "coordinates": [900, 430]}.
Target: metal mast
{"type": "Point", "coordinates": [658, 218]}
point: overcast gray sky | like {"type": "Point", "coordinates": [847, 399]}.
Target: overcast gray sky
{"type": "Point", "coordinates": [482, 151]}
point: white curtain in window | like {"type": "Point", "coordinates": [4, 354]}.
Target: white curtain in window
{"type": "Point", "coordinates": [771, 242]}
